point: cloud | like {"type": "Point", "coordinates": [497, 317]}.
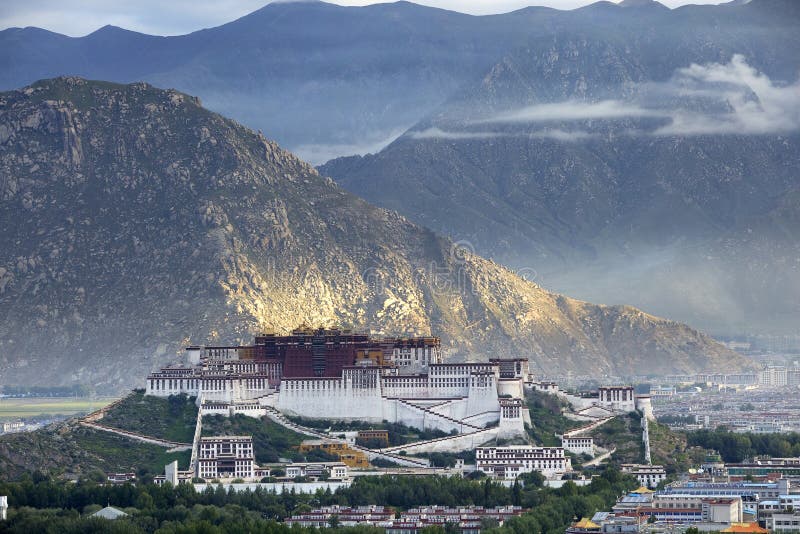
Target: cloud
{"type": "Point", "coordinates": [573, 110]}
{"type": "Point", "coordinates": [755, 105]}
{"type": "Point", "coordinates": [437, 133]}
{"type": "Point", "coordinates": [715, 98]}
{"type": "Point", "coordinates": [562, 135]}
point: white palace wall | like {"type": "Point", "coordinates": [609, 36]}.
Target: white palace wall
{"type": "Point", "coordinates": [441, 400]}
{"type": "Point", "coordinates": [329, 398]}
{"type": "Point", "coordinates": [461, 397]}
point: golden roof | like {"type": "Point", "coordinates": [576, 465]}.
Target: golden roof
{"type": "Point", "coordinates": [586, 524]}
{"type": "Point", "coordinates": [643, 490]}
{"type": "Point", "coordinates": [746, 528]}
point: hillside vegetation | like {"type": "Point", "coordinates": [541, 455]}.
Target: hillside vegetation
{"type": "Point", "coordinates": [271, 441]}
{"type": "Point", "coordinates": [547, 419]}
{"type": "Point", "coordinates": [172, 418]}
{"type": "Point", "coordinates": [69, 450]}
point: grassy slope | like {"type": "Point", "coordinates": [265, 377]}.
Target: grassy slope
{"type": "Point", "coordinates": [547, 419]}
{"type": "Point", "coordinates": [270, 440]}
{"type": "Point", "coordinates": [624, 433]}
{"type": "Point", "coordinates": [72, 450]}
{"type": "Point", "coordinates": [170, 418]}
{"type": "Point", "coordinates": [670, 449]}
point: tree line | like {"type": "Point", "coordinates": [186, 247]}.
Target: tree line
{"type": "Point", "coordinates": [736, 447]}
{"type": "Point", "coordinates": [39, 504]}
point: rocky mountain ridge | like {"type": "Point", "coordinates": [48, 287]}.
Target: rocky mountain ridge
{"type": "Point", "coordinates": [138, 222]}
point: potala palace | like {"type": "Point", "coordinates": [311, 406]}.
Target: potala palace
{"type": "Point", "coordinates": [339, 375]}
{"type": "Point", "coordinates": [335, 374]}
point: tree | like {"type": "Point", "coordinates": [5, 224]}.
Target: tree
{"type": "Point", "coordinates": [144, 501]}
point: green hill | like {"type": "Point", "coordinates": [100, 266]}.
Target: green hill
{"type": "Point", "coordinates": [172, 418]}
{"type": "Point", "coordinates": [70, 450]}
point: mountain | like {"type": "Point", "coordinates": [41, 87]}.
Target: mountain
{"type": "Point", "coordinates": [328, 80]}
{"type": "Point", "coordinates": [656, 165]}
{"type": "Point", "coordinates": [137, 222]}
{"type": "Point", "coordinates": [324, 79]}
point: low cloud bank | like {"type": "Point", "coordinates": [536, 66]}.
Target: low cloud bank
{"type": "Point", "coordinates": [438, 133]}
{"type": "Point", "coordinates": [572, 110]}
{"type": "Point", "coordinates": [727, 98]}
{"type": "Point", "coordinates": [756, 104]}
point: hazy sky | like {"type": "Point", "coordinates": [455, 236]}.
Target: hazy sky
{"type": "Point", "coordinates": [173, 17]}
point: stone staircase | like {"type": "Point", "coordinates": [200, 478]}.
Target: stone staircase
{"type": "Point", "coordinates": [485, 434]}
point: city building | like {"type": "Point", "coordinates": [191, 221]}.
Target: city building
{"type": "Point", "coordinates": [611, 523]}
{"type": "Point", "coordinates": [752, 494]}
{"type": "Point", "coordinates": [465, 519]}
{"type": "Point", "coordinates": [226, 457]}
{"type": "Point", "coordinates": [662, 392]}
{"type": "Point", "coordinates": [773, 376]}
{"type": "Point", "coordinates": [346, 516]}
{"type": "Point", "coordinates": [513, 460]}
{"type": "Point", "coordinates": [784, 522]}
{"type": "Point", "coordinates": [784, 467]}
{"type": "Point", "coordinates": [12, 426]}
{"type": "Point", "coordinates": [378, 436]}
{"type": "Point", "coordinates": [648, 475]}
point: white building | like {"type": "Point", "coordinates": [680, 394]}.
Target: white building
{"type": "Point", "coordinates": [3, 507]}
{"type": "Point", "coordinates": [724, 510]}
{"type": "Point", "coordinates": [662, 392]}
{"type": "Point", "coordinates": [578, 445]}
{"type": "Point", "coordinates": [649, 476]}
{"type": "Point", "coordinates": [12, 426]}
{"type": "Point", "coordinates": [784, 522]}
{"type": "Point", "coordinates": [173, 475]}
{"type": "Point", "coordinates": [226, 457]}
{"type": "Point", "coordinates": [773, 376]}
{"type": "Point", "coordinates": [617, 398]}
{"type": "Point", "coordinates": [550, 388]}
{"type": "Point", "coordinates": [335, 470]}
{"type": "Point", "coordinates": [511, 461]}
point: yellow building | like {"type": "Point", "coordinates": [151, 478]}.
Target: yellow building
{"type": "Point", "coordinates": [374, 354]}
{"type": "Point", "coordinates": [348, 456]}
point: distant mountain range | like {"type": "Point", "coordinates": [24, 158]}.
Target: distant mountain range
{"type": "Point", "coordinates": [650, 158]}
{"type": "Point", "coordinates": [136, 222]}
{"type": "Point", "coordinates": [327, 80]}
